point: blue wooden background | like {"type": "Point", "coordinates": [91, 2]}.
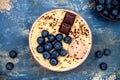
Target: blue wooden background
{"type": "Point", "coordinates": [14, 29]}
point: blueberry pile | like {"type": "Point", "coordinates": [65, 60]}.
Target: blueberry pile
{"type": "Point", "coordinates": [10, 65]}
{"type": "Point", "coordinates": [51, 46]}
{"type": "Point", "coordinates": [100, 54]}
{"type": "Point", "coordinates": [109, 8]}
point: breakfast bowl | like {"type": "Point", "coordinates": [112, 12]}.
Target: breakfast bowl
{"type": "Point", "coordinates": [60, 40]}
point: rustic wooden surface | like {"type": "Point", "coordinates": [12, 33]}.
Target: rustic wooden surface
{"type": "Point", "coordinates": [14, 30]}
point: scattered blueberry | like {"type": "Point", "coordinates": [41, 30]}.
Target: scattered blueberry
{"type": "Point", "coordinates": [40, 49]}
{"type": "Point", "coordinates": [48, 46]}
{"type": "Point", "coordinates": [53, 61]}
{"type": "Point", "coordinates": [99, 7]}
{"type": "Point", "coordinates": [46, 55]}
{"type": "Point", "coordinates": [67, 39]}
{"type": "Point", "coordinates": [40, 40]}
{"type": "Point", "coordinates": [45, 33]}
{"type": "Point", "coordinates": [115, 12]}
{"type": "Point", "coordinates": [54, 54]}
{"type": "Point", "coordinates": [13, 54]}
{"type": "Point", "coordinates": [51, 37]}
{"type": "Point", "coordinates": [9, 66]}
{"type": "Point", "coordinates": [114, 2]}
{"type": "Point", "coordinates": [103, 66]}
{"type": "Point", "coordinates": [63, 52]}
{"type": "Point", "coordinates": [99, 54]}
{"type": "Point", "coordinates": [59, 37]}
{"type": "Point", "coordinates": [107, 52]}
{"type": "Point", "coordinates": [57, 45]}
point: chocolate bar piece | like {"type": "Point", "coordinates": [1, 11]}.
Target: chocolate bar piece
{"type": "Point", "coordinates": [69, 18]}
{"type": "Point", "coordinates": [65, 28]}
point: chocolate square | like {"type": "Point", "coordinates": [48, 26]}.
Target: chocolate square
{"type": "Point", "coordinates": [69, 18]}
{"type": "Point", "coordinates": [65, 28]}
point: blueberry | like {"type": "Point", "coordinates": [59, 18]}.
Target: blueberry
{"type": "Point", "coordinates": [55, 53]}
{"type": "Point", "coordinates": [101, 1]}
{"type": "Point", "coordinates": [105, 12]}
{"type": "Point", "coordinates": [51, 37]}
{"type": "Point", "coordinates": [13, 54]}
{"type": "Point", "coordinates": [46, 55]}
{"type": "Point", "coordinates": [114, 2]}
{"type": "Point", "coordinates": [53, 61]}
{"type": "Point", "coordinates": [99, 7]}
{"type": "Point", "coordinates": [45, 33]}
{"type": "Point", "coordinates": [9, 66]}
{"type": "Point", "coordinates": [109, 7]}
{"type": "Point", "coordinates": [67, 39]}
{"type": "Point", "coordinates": [57, 45]}
{"type": "Point", "coordinates": [107, 52]}
{"type": "Point", "coordinates": [40, 49]}
{"type": "Point", "coordinates": [40, 40]}
{"type": "Point", "coordinates": [111, 16]}
{"type": "Point", "coordinates": [48, 46]}
{"type": "Point", "coordinates": [99, 54]}
{"type": "Point", "coordinates": [59, 37]}
{"type": "Point", "coordinates": [63, 52]}
{"type": "Point", "coordinates": [115, 12]}
{"type": "Point", "coordinates": [108, 1]}
{"type": "Point", "coordinates": [103, 66]}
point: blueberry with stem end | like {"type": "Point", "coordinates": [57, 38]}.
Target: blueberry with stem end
{"type": "Point", "coordinates": [99, 8]}
{"type": "Point", "coordinates": [46, 55]}
{"type": "Point", "coordinates": [103, 66]}
{"type": "Point", "coordinates": [54, 54]}
{"type": "Point", "coordinates": [48, 46]}
{"type": "Point", "coordinates": [115, 12]}
{"type": "Point", "coordinates": [53, 61]}
{"type": "Point", "coordinates": [40, 49]}
{"type": "Point", "coordinates": [13, 54]}
{"type": "Point", "coordinates": [44, 33]}
{"type": "Point", "coordinates": [107, 52]}
{"type": "Point", "coordinates": [99, 54]}
{"type": "Point", "coordinates": [51, 37]}
{"type": "Point", "coordinates": [59, 37]}
{"type": "Point", "coordinates": [40, 40]}
{"type": "Point", "coordinates": [105, 12]}
{"type": "Point", "coordinates": [67, 39]}
{"type": "Point", "coordinates": [9, 66]}
{"type": "Point", "coordinates": [57, 45]}
{"type": "Point", "coordinates": [63, 52]}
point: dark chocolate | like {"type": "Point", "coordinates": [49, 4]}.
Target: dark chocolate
{"type": "Point", "coordinates": [65, 28]}
{"type": "Point", "coordinates": [69, 18]}
{"type": "Point", "coordinates": [67, 23]}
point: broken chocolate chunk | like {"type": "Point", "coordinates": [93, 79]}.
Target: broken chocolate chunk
{"type": "Point", "coordinates": [67, 23]}
{"type": "Point", "coordinates": [65, 28]}
{"type": "Point", "coordinates": [69, 18]}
